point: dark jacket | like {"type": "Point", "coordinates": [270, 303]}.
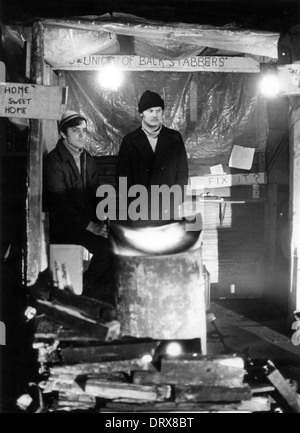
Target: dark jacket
{"type": "Point", "coordinates": [70, 197]}
{"type": "Point", "coordinates": [167, 166]}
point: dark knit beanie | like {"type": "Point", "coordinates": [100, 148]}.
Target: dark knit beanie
{"type": "Point", "coordinates": [150, 99]}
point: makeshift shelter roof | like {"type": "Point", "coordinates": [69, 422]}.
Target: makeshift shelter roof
{"type": "Point", "coordinates": [69, 39]}
{"type": "Point", "coordinates": [153, 38]}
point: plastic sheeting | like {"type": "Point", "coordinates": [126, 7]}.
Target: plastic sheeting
{"type": "Point", "coordinates": [183, 38]}
{"type": "Point", "coordinates": [13, 58]}
{"type": "Point", "coordinates": [63, 45]}
{"type": "Point", "coordinates": [213, 111]}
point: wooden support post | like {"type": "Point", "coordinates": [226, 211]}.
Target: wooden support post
{"type": "Point", "coordinates": [34, 182]}
{"type": "Point", "coordinates": [294, 300]}
{"type": "Point", "coordinates": [270, 235]}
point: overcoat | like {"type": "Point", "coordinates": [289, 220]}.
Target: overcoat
{"type": "Point", "coordinates": [166, 166]}
{"type": "Point", "coordinates": [70, 196]}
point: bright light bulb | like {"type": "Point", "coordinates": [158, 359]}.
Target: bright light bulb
{"type": "Point", "coordinates": [269, 85]}
{"type": "Point", "coordinates": [110, 77]}
{"type": "Point", "coordinates": [173, 349]}
{"type": "Point", "coordinates": [146, 359]}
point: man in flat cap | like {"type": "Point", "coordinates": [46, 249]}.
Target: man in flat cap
{"type": "Point", "coordinates": [153, 154]}
{"type": "Point", "coordinates": [70, 184]}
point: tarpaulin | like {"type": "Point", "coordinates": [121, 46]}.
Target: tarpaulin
{"type": "Point", "coordinates": [172, 40]}
{"type": "Point", "coordinates": [63, 45]}
{"type": "Point", "coordinates": [213, 111]}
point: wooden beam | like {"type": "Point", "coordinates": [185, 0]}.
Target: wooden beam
{"type": "Point", "coordinates": [95, 368]}
{"type": "Point", "coordinates": [109, 390]}
{"type": "Point", "coordinates": [294, 300]}
{"type": "Point", "coordinates": [112, 352]}
{"type": "Point", "coordinates": [211, 393]}
{"type": "Point", "coordinates": [285, 390]}
{"type": "Point", "coordinates": [256, 404]}
{"type": "Point", "coordinates": [219, 370]}
{"type": "Point", "coordinates": [76, 320]}
{"type": "Point", "coordinates": [231, 319]}
{"type": "Point", "coordinates": [34, 183]}
{"type": "Point", "coordinates": [270, 235]}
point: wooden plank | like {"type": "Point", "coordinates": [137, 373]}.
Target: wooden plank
{"type": "Point", "coordinates": [203, 392]}
{"type": "Point", "coordinates": [74, 319]}
{"type": "Point", "coordinates": [114, 376]}
{"type": "Point", "coordinates": [111, 352]}
{"type": "Point", "coordinates": [211, 393]}
{"type": "Point", "coordinates": [271, 233]}
{"type": "Point", "coordinates": [256, 404]}
{"type": "Point", "coordinates": [294, 218]}
{"type": "Point", "coordinates": [45, 328]}
{"type": "Point", "coordinates": [34, 186]}
{"type": "Point", "coordinates": [230, 319]}
{"type": "Point", "coordinates": [109, 390]}
{"type": "Point", "coordinates": [283, 387]}
{"type": "Point", "coordinates": [114, 390]}
{"type": "Point", "coordinates": [261, 388]}
{"type": "Point", "coordinates": [149, 378]}
{"type": "Point", "coordinates": [94, 368]}
{"type": "Point", "coordinates": [141, 63]}
{"type": "Point", "coordinates": [92, 308]}
{"type": "Point", "coordinates": [71, 336]}
{"type": "Point", "coordinates": [89, 307]}
{"type": "Point", "coordinates": [219, 370]}
{"type": "Point", "coordinates": [81, 398]}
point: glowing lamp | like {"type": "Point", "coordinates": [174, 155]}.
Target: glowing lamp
{"type": "Point", "coordinates": [110, 77]}
{"type": "Point", "coordinates": [269, 85]}
{"type": "Point", "coordinates": [146, 359]}
{"type": "Point", "coordinates": [174, 349]}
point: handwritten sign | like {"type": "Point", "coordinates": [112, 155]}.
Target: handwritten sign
{"type": "Point", "coordinates": [140, 63]}
{"type": "Point", "coordinates": [31, 101]}
{"type": "Point", "coordinates": [226, 180]}
{"type": "Point", "coordinates": [289, 76]}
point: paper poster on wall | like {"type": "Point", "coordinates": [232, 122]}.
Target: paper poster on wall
{"type": "Point", "coordinates": [216, 169]}
{"type": "Point", "coordinates": [241, 157]}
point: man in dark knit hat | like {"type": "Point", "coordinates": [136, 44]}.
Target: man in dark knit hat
{"type": "Point", "coordinates": [70, 184]}
{"type": "Point", "coordinates": [153, 154]}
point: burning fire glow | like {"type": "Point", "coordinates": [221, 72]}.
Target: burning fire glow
{"type": "Point", "coordinates": [154, 239]}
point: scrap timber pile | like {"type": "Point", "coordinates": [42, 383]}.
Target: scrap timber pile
{"type": "Point", "coordinates": [87, 365]}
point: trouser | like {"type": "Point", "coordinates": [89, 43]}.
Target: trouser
{"type": "Point", "coordinates": [98, 274]}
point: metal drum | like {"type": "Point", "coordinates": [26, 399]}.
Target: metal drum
{"type": "Point", "coordinates": [162, 296]}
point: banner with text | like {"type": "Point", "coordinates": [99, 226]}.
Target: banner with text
{"type": "Point", "coordinates": [226, 180]}
{"type": "Point", "coordinates": [188, 64]}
